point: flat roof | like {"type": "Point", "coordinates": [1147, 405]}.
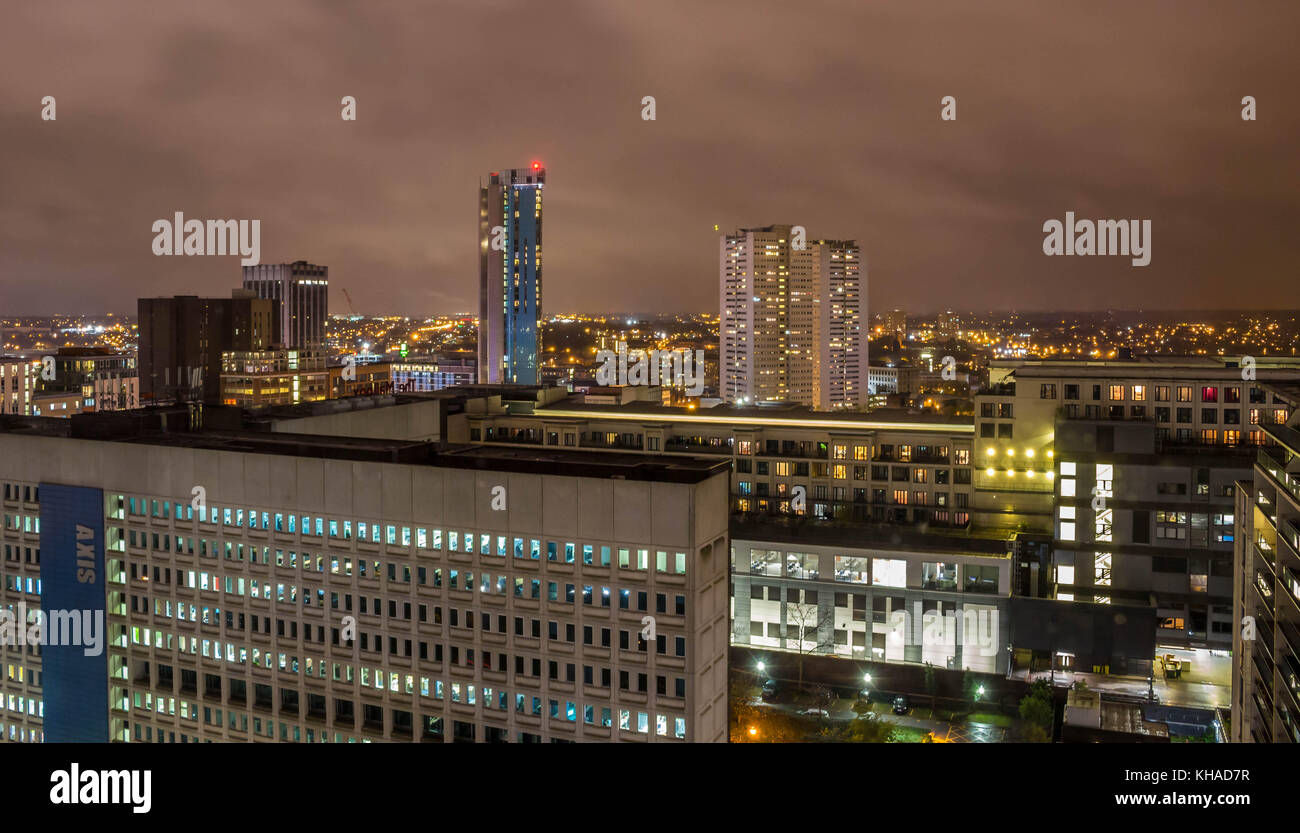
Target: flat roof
{"type": "Point", "coordinates": [568, 463]}
{"type": "Point", "coordinates": [795, 416]}
{"type": "Point", "coordinates": [989, 543]}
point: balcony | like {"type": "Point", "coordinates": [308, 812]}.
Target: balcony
{"type": "Point", "coordinates": [1290, 534]}
{"type": "Point", "coordinates": [1275, 470]}
{"type": "Point", "coordinates": [1265, 552]}
{"type": "Point", "coordinates": [795, 451]}
{"type": "Point", "coordinates": [1290, 635]}
{"type": "Point", "coordinates": [623, 443]}
{"type": "Point", "coordinates": [528, 436]}
{"type": "Point", "coordinates": [694, 445]}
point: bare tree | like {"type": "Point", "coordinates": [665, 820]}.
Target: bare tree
{"type": "Point", "coordinates": [804, 627]}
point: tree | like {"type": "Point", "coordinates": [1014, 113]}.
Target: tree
{"type": "Point", "coordinates": [970, 686]}
{"type": "Point", "coordinates": [1039, 712]}
{"type": "Point", "coordinates": [803, 625]}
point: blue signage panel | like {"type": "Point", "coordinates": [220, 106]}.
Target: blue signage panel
{"type": "Point", "coordinates": [75, 680]}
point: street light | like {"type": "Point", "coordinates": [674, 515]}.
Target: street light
{"type": "Point", "coordinates": [866, 678]}
{"type": "Point", "coordinates": [761, 667]}
{"type": "Point", "coordinates": [979, 692]}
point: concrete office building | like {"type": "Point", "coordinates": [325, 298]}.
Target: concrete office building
{"type": "Point", "coordinates": [1266, 589]}
{"type": "Point", "coordinates": [510, 275]}
{"type": "Point", "coordinates": [496, 595]}
{"type": "Point", "coordinates": [793, 321]}
{"type": "Point", "coordinates": [885, 380]}
{"type": "Point", "coordinates": [303, 292]}
{"type": "Point", "coordinates": [875, 596]}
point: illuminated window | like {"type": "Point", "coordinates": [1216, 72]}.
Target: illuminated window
{"type": "Point", "coordinates": [889, 572]}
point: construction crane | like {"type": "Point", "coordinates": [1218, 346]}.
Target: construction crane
{"type": "Point", "coordinates": [349, 299]}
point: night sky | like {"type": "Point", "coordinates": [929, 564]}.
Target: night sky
{"type": "Point", "coordinates": [821, 114]}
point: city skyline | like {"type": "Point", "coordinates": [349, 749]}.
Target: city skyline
{"type": "Point", "coordinates": [192, 118]}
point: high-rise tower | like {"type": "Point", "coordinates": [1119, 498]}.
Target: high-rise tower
{"type": "Point", "coordinates": [303, 290]}
{"type": "Point", "coordinates": [510, 275]}
{"type": "Point", "coordinates": [793, 313]}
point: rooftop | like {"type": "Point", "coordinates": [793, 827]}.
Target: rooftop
{"type": "Point", "coordinates": [168, 427]}
{"type": "Point", "coordinates": [794, 415]}
{"type": "Point", "coordinates": [985, 542]}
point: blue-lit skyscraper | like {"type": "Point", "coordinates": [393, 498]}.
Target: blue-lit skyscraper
{"type": "Point", "coordinates": [510, 275]}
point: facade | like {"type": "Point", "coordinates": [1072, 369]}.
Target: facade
{"type": "Point", "coordinates": [1130, 466]}
{"type": "Point", "coordinates": [428, 373]}
{"type": "Point", "coordinates": [361, 378]}
{"type": "Point", "coordinates": [263, 378]}
{"type": "Point", "coordinates": [1266, 590]}
{"type": "Point", "coordinates": [18, 377]}
{"type": "Point", "coordinates": [59, 403]}
{"type": "Point", "coordinates": [883, 380]}
{"type": "Point", "coordinates": [510, 276]}
{"type": "Point", "coordinates": [302, 290]}
{"type": "Point", "coordinates": [87, 371]}
{"type": "Point", "coordinates": [887, 467]}
{"type": "Point", "coordinates": [182, 340]}
{"type": "Point", "coordinates": [116, 390]}
{"type": "Point", "coordinates": [347, 589]}
{"type": "Point", "coordinates": [927, 599]}
{"type": "Point", "coordinates": [793, 322]}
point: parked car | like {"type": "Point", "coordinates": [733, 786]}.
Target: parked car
{"type": "Point", "coordinates": [822, 713]}
{"type": "Point", "coordinates": [773, 692]}
{"type": "Point", "coordinates": [900, 705]}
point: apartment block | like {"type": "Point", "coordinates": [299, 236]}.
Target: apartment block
{"type": "Point", "coordinates": [1266, 590]}
{"type": "Point", "coordinates": [1130, 466]}
{"type": "Point", "coordinates": [887, 466]}
{"type": "Point", "coordinates": [793, 320]}
{"type": "Point", "coordinates": [18, 378]}
{"type": "Point", "coordinates": [510, 275]}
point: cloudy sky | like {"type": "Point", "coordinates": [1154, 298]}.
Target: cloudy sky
{"type": "Point", "coordinates": [820, 114]}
